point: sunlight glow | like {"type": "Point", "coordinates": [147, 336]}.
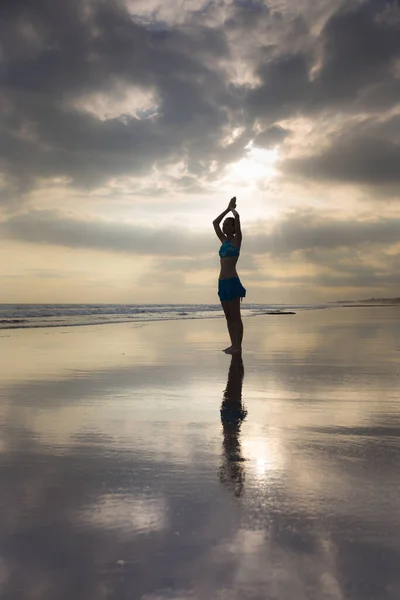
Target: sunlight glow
{"type": "Point", "coordinates": [257, 165]}
{"type": "Point", "coordinates": [262, 465]}
{"type": "Point", "coordinates": [232, 136]}
{"type": "Point", "coordinates": [264, 455]}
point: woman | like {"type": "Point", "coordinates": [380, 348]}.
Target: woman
{"type": "Point", "coordinates": [229, 287]}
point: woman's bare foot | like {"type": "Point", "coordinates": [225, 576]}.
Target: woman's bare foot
{"type": "Point", "coordinates": [227, 349]}
{"type": "Point", "coordinates": [233, 349]}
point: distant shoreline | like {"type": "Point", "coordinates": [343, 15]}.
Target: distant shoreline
{"type": "Point", "coordinates": [363, 303]}
{"type": "Point", "coordinates": [370, 305]}
{"type": "Point", "coordinates": [369, 302]}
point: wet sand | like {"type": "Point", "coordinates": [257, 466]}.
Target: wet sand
{"type": "Point", "coordinates": [142, 463]}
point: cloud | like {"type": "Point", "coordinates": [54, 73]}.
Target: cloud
{"type": "Point", "coordinates": [285, 85]}
{"type": "Point", "coordinates": [306, 229]}
{"type": "Point", "coordinates": [297, 230]}
{"type": "Point", "coordinates": [56, 228]}
{"type": "Point", "coordinates": [54, 61]}
{"type": "Point", "coordinates": [360, 43]}
{"type": "Point", "coordinates": [271, 136]}
{"type": "Point", "coordinates": [347, 65]}
{"type": "Point", "coordinates": [246, 14]}
{"type": "Point", "coordinates": [181, 80]}
{"type": "Point", "coordinates": [367, 153]}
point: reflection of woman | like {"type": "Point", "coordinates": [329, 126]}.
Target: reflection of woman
{"type": "Point", "coordinates": [232, 415]}
{"type": "Point", "coordinates": [230, 289]}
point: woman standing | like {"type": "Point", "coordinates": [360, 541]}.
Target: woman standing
{"type": "Point", "coordinates": [230, 290]}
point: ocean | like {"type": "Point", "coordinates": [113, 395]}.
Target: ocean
{"type": "Point", "coordinates": [17, 316]}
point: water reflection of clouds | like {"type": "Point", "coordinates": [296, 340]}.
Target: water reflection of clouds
{"type": "Point", "coordinates": [74, 351]}
{"type": "Point", "coordinates": [126, 513]}
{"type": "Point", "coordinates": [112, 488]}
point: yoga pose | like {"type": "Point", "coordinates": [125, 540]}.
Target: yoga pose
{"type": "Point", "coordinates": [230, 290]}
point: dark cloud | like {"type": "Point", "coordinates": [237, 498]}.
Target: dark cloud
{"type": "Point", "coordinates": [307, 229]}
{"type": "Point", "coordinates": [359, 44]}
{"type": "Point", "coordinates": [348, 67]}
{"type": "Point", "coordinates": [246, 14]}
{"type": "Point", "coordinates": [284, 89]}
{"type": "Point", "coordinates": [272, 136]}
{"type": "Point", "coordinates": [368, 153]}
{"type": "Point", "coordinates": [56, 228]}
{"type": "Point", "coordinates": [81, 147]}
{"type": "Point", "coordinates": [54, 59]}
{"type": "Point", "coordinates": [93, 48]}
{"type": "Point", "coordinates": [297, 231]}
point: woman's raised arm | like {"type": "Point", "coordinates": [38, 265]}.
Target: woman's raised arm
{"type": "Point", "coordinates": [218, 220]}
{"type": "Point", "coordinates": [238, 231]}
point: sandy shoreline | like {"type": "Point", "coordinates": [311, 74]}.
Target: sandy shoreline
{"type": "Point", "coordinates": [141, 462]}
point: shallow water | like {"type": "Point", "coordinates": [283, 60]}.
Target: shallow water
{"type": "Point", "coordinates": [142, 463]}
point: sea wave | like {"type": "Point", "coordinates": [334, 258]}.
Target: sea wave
{"type": "Point", "coordinates": [17, 316]}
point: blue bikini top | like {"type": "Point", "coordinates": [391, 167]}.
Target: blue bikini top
{"type": "Point", "coordinates": [227, 249]}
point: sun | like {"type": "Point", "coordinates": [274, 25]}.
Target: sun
{"type": "Point", "coordinates": [257, 165]}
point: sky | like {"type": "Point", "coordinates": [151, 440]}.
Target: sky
{"type": "Point", "coordinates": [127, 126]}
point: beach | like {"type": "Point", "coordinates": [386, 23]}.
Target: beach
{"type": "Point", "coordinates": [140, 462]}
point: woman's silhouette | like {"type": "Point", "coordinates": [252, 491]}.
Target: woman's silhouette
{"type": "Point", "coordinates": [230, 289]}
{"type": "Point", "coordinates": [232, 414]}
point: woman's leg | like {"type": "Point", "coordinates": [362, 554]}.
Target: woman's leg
{"type": "Point", "coordinates": [225, 305]}
{"type": "Point", "coordinates": [237, 324]}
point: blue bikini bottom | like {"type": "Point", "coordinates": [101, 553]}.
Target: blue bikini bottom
{"type": "Point", "coordinates": [231, 288]}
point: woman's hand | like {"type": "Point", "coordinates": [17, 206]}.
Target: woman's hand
{"type": "Point", "coordinates": [232, 203]}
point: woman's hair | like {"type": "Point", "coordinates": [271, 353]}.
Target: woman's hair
{"type": "Point", "coordinates": [231, 219]}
